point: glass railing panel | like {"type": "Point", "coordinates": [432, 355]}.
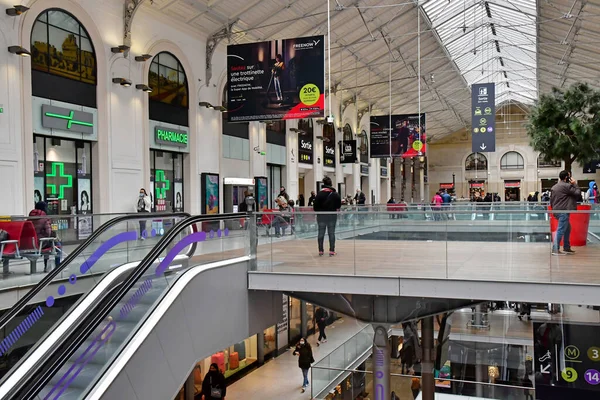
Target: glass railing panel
{"type": "Point", "coordinates": [120, 244]}
{"type": "Point", "coordinates": [212, 240]}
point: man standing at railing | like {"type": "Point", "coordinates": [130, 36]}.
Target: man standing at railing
{"type": "Point", "coordinates": [327, 200]}
{"type": "Point", "coordinates": [564, 198]}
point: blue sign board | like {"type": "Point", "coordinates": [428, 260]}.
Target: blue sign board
{"type": "Point", "coordinates": [483, 117]}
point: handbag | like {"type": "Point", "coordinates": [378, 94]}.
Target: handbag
{"type": "Point", "coordinates": [215, 393]}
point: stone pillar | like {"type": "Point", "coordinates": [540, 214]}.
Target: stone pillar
{"type": "Point", "coordinates": [427, 380]}
{"type": "Point", "coordinates": [381, 364]}
{"type": "Point", "coordinates": [303, 319]}
{"type": "Point", "coordinates": [479, 373]}
{"type": "Point", "coordinates": [260, 348]}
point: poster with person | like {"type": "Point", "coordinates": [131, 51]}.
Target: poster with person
{"type": "Point", "coordinates": [408, 136]}
{"type": "Point", "coordinates": [38, 189]}
{"type": "Point", "coordinates": [210, 193]}
{"type": "Point", "coordinates": [178, 206]}
{"type": "Point", "coordinates": [84, 206]}
{"type": "Point", "coordinates": [278, 79]}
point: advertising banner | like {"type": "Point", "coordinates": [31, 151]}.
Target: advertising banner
{"type": "Point", "coordinates": [566, 360]}
{"type": "Point", "coordinates": [278, 79]}
{"type": "Point", "coordinates": [262, 200]}
{"type": "Point", "coordinates": [483, 121]}
{"type": "Point", "coordinates": [405, 139]}
{"type": "Point", "coordinates": [305, 149]}
{"type": "Point", "coordinates": [210, 193]}
{"type": "Point", "coordinates": [178, 196]}
{"type": "Point", "coordinates": [348, 152]}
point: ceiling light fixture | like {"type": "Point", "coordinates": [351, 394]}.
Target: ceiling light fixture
{"type": "Point", "coordinates": [144, 88]}
{"type": "Point", "coordinates": [122, 81]}
{"type": "Point", "coordinates": [143, 57]}
{"type": "Point", "coordinates": [20, 51]}
{"type": "Point", "coordinates": [16, 10]}
{"type": "Point", "coordinates": [120, 49]}
{"type": "Point", "coordinates": [206, 104]}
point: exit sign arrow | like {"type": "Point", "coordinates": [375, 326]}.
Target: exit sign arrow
{"type": "Point", "coordinates": [483, 146]}
{"type": "Point", "coordinates": [545, 369]}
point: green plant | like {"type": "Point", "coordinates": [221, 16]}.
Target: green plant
{"type": "Point", "coordinates": [565, 125]}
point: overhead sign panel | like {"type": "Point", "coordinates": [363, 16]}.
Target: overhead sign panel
{"type": "Point", "coordinates": [483, 117]}
{"type": "Point", "coordinates": [279, 79]}
{"type": "Point", "coordinates": [305, 149]}
{"type": "Point", "coordinates": [405, 139]}
{"type": "Point", "coordinates": [67, 120]}
{"type": "Point", "coordinates": [348, 152]}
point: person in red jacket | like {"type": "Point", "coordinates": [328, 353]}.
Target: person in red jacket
{"type": "Point", "coordinates": [43, 229]}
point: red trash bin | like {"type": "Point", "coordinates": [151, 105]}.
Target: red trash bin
{"type": "Point", "coordinates": [580, 222]}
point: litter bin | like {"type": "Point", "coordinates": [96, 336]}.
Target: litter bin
{"type": "Point", "coordinates": [580, 223]}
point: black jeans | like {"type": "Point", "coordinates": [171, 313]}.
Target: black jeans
{"type": "Point", "coordinates": [329, 225]}
{"type": "Point", "coordinates": [322, 335]}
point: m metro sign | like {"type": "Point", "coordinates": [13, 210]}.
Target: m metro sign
{"type": "Point", "coordinates": [68, 120]}
{"type": "Point", "coordinates": [170, 136]}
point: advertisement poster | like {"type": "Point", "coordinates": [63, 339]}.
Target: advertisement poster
{"type": "Point", "coordinates": [38, 189]}
{"type": "Point", "coordinates": [210, 193]}
{"type": "Point", "coordinates": [262, 200]}
{"type": "Point", "coordinates": [178, 206]}
{"type": "Point", "coordinates": [84, 206]}
{"type": "Point", "coordinates": [406, 141]}
{"type": "Point", "coordinates": [483, 117]}
{"type": "Point", "coordinates": [278, 79]}
{"type": "Point", "coordinates": [566, 360]}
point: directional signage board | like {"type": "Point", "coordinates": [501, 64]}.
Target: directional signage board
{"type": "Point", "coordinates": [483, 117]}
{"type": "Point", "coordinates": [566, 360]}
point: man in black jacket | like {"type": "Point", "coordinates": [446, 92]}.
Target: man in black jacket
{"type": "Point", "coordinates": [565, 195]}
{"type": "Point", "coordinates": [327, 200]}
{"type": "Point", "coordinates": [321, 318]}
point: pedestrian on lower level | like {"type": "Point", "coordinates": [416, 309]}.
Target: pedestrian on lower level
{"type": "Point", "coordinates": [525, 310]}
{"type": "Point", "coordinates": [305, 359]}
{"type": "Point", "coordinates": [415, 385]}
{"type": "Point", "coordinates": [329, 201]}
{"type": "Point", "coordinates": [213, 385]}
{"type": "Point", "coordinates": [565, 195]}
{"type": "Point", "coordinates": [144, 205]}
{"type": "Point", "coordinates": [321, 316]}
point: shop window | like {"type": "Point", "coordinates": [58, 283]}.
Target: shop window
{"type": "Point", "coordinates": [166, 192]}
{"type": "Point", "coordinates": [347, 132]}
{"type": "Point", "coordinates": [168, 81]}
{"type": "Point", "coordinates": [512, 160]}
{"type": "Point", "coordinates": [476, 162]}
{"type": "Point", "coordinates": [61, 46]}
{"type": "Point", "coordinates": [544, 163]}
{"type": "Point", "coordinates": [363, 147]}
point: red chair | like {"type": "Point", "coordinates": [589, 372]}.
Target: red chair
{"type": "Point", "coordinates": [23, 243]}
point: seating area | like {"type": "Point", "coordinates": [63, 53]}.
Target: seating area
{"type": "Point", "coordinates": [23, 243]}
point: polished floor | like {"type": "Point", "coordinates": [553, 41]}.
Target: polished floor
{"type": "Point", "coordinates": [281, 378]}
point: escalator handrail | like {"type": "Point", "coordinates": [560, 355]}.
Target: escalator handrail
{"type": "Point", "coordinates": [30, 385]}
{"type": "Point", "coordinates": [46, 280]}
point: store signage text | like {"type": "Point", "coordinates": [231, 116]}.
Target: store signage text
{"type": "Point", "coordinates": [67, 120]}
{"type": "Point", "coordinates": [169, 136]}
{"type": "Point", "coordinates": [446, 186]}
{"type": "Point", "coordinates": [305, 151]}
{"type": "Point", "coordinates": [384, 172]}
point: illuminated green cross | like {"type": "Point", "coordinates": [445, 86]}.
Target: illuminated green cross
{"type": "Point", "coordinates": [70, 119]}
{"type": "Point", "coordinates": [61, 174]}
{"type": "Point", "coordinates": [161, 193]}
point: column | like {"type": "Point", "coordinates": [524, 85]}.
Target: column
{"type": "Point", "coordinates": [291, 144]}
{"type": "Point", "coordinates": [381, 364]}
{"type": "Point", "coordinates": [303, 319]}
{"type": "Point", "coordinates": [260, 348]}
{"type": "Point", "coordinates": [427, 377]}
{"type": "Point", "coordinates": [479, 373]}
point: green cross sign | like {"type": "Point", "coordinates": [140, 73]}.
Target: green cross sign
{"type": "Point", "coordinates": [69, 118]}
{"type": "Point", "coordinates": [61, 175]}
{"type": "Point", "coordinates": [161, 193]}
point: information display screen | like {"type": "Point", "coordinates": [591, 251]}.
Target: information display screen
{"type": "Point", "coordinates": [567, 355]}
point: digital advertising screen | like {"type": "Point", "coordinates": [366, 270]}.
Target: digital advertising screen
{"type": "Point", "coordinates": [262, 200]}
{"type": "Point", "coordinates": [405, 139]}
{"type": "Point", "coordinates": [210, 193]}
{"type": "Point", "coordinates": [278, 79]}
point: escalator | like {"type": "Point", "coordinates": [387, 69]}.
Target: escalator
{"type": "Point", "coordinates": [114, 246]}
{"type": "Point", "coordinates": [69, 362]}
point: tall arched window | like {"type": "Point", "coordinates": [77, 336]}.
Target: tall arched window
{"type": "Point", "coordinates": [347, 132]}
{"type": "Point", "coordinates": [512, 160]}
{"type": "Point", "coordinates": [475, 162]}
{"type": "Point", "coordinates": [363, 147]}
{"type": "Point", "coordinates": [61, 46]}
{"type": "Point", "coordinates": [168, 81]}
{"type": "Point", "coordinates": [544, 163]}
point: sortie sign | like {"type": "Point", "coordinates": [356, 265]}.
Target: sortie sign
{"type": "Point", "coordinates": [170, 136]}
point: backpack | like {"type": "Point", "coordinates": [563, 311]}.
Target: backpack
{"type": "Point", "coordinates": [3, 235]}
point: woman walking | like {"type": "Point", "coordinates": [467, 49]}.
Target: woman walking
{"type": "Point", "coordinates": [305, 359]}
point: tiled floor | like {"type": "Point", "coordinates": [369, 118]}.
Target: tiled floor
{"type": "Point", "coordinates": [281, 378]}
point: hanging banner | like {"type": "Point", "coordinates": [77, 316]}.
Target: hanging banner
{"type": "Point", "coordinates": [348, 152]}
{"type": "Point", "coordinates": [279, 79]}
{"type": "Point", "coordinates": [483, 121]}
{"type": "Point", "coordinates": [210, 193]}
{"type": "Point", "coordinates": [305, 149]}
{"type": "Point", "coordinates": [405, 139]}
{"type": "Point", "coordinates": [328, 155]}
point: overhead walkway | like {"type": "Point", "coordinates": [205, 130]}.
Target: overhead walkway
{"type": "Point", "coordinates": [107, 346]}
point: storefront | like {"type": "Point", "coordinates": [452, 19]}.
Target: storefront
{"type": "Point", "coordinates": [234, 190]}
{"type": "Point", "coordinates": [449, 187]}
{"type": "Point", "coordinates": [476, 190]}
{"type": "Point", "coordinates": [65, 119]}
{"type": "Point", "coordinates": [512, 190]}
{"type": "Point", "coordinates": [169, 132]}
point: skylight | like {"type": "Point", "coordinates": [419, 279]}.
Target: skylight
{"type": "Point", "coordinates": [490, 41]}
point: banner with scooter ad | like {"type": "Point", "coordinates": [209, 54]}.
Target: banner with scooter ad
{"type": "Point", "coordinates": [278, 79]}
